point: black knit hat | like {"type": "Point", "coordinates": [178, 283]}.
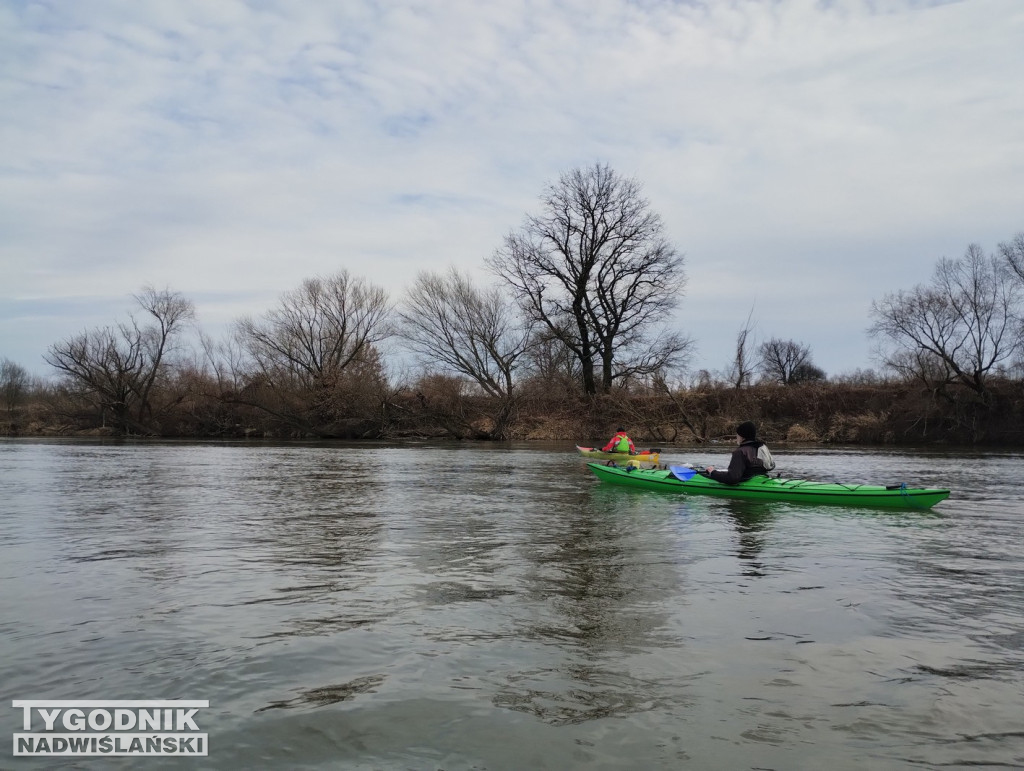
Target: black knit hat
{"type": "Point", "coordinates": [747, 430]}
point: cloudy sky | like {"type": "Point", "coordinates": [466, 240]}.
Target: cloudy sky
{"type": "Point", "coordinates": [806, 156]}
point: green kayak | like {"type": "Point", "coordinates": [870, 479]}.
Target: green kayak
{"type": "Point", "coordinates": [682, 479]}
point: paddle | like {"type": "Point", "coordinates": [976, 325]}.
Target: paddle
{"type": "Point", "coordinates": [684, 473]}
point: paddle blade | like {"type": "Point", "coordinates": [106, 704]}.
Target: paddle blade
{"type": "Point", "coordinates": [682, 473]}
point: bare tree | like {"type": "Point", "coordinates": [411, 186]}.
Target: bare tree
{"type": "Point", "coordinates": [304, 354]}
{"type": "Point", "coordinates": [1013, 252]}
{"type": "Point", "coordinates": [453, 325]}
{"type": "Point", "coordinates": [807, 372]}
{"type": "Point", "coordinates": [551, 363]}
{"type": "Point", "coordinates": [474, 332]}
{"type": "Point", "coordinates": [317, 330]}
{"type": "Point", "coordinates": [13, 386]}
{"type": "Point", "coordinates": [169, 311]}
{"type": "Point", "coordinates": [787, 362]}
{"type": "Point", "coordinates": [117, 367]}
{"type": "Point", "coordinates": [919, 364]}
{"type": "Point", "coordinates": [741, 370]}
{"type": "Point", "coordinates": [221, 362]}
{"type": "Point", "coordinates": [595, 269]}
{"type": "Point", "coordinates": [957, 328]}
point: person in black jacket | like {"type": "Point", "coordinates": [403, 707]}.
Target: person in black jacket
{"type": "Point", "coordinates": [744, 462]}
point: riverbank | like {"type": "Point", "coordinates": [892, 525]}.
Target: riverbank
{"type": "Point", "coordinates": [887, 413]}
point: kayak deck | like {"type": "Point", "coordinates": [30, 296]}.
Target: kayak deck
{"type": "Point", "coordinates": [765, 488]}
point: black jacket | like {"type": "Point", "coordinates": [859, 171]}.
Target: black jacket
{"type": "Point", "coordinates": [743, 464]}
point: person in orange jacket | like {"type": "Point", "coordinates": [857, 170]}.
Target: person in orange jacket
{"type": "Point", "coordinates": [620, 443]}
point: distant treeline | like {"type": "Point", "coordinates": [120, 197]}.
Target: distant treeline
{"type": "Point", "coordinates": [574, 339]}
{"type": "Point", "coordinates": [884, 413]}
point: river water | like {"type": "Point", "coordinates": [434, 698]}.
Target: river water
{"type": "Point", "coordinates": [480, 607]}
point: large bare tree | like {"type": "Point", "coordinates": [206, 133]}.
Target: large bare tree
{"type": "Point", "coordinates": [118, 367]}
{"type": "Point", "coordinates": [306, 355]}
{"type": "Point", "coordinates": [958, 327]}
{"type": "Point", "coordinates": [457, 327]}
{"type": "Point", "coordinates": [787, 362]}
{"type": "Point", "coordinates": [317, 330]}
{"type": "Point", "coordinates": [474, 332]}
{"type": "Point", "coordinates": [595, 269]}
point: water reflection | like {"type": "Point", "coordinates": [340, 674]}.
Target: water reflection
{"type": "Point", "coordinates": [601, 585]}
{"type": "Point", "coordinates": [312, 541]}
{"type": "Point", "coordinates": [751, 520]}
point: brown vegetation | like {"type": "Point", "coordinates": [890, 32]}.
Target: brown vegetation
{"type": "Point", "coordinates": [440, 407]}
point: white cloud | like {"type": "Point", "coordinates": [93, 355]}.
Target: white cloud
{"type": "Point", "coordinates": [806, 156]}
